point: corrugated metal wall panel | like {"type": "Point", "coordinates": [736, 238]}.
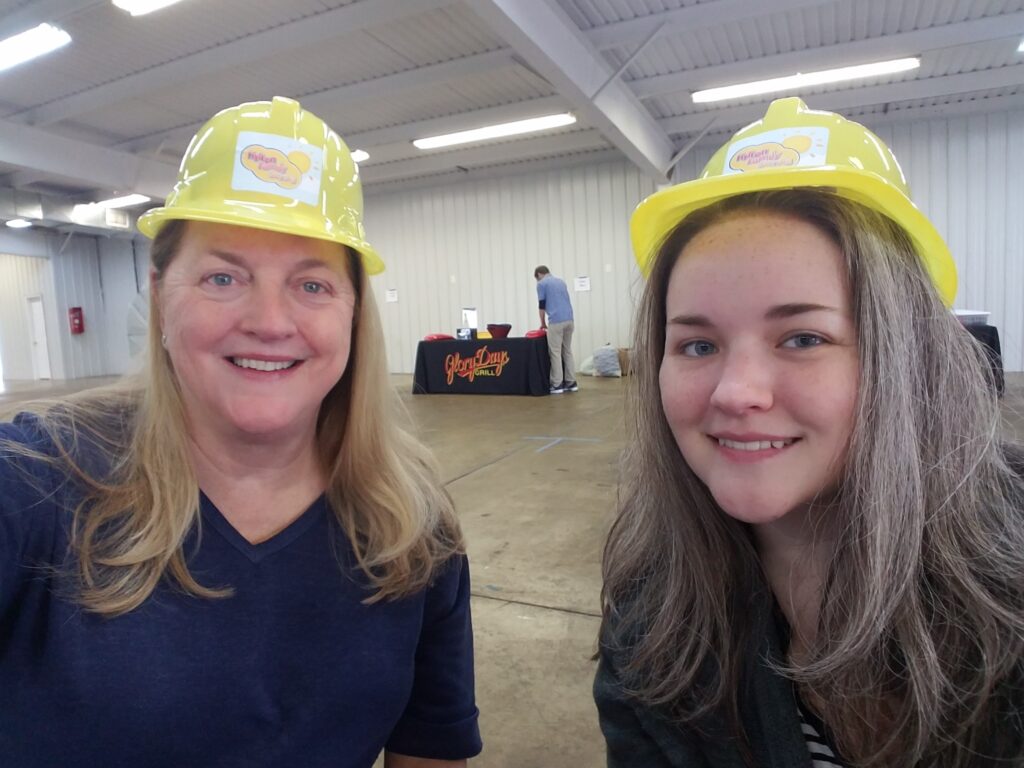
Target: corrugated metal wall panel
{"type": "Point", "coordinates": [20, 278]}
{"type": "Point", "coordinates": [119, 291]}
{"type": "Point", "coordinates": [477, 245]}
{"type": "Point", "coordinates": [77, 280]}
{"type": "Point", "coordinates": [967, 175]}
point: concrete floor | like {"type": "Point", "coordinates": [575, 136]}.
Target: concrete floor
{"type": "Point", "coordinates": [534, 483]}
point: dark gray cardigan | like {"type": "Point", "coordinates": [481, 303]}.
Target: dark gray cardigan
{"type": "Point", "coordinates": [638, 736]}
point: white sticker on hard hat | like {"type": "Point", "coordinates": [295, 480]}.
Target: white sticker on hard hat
{"type": "Point", "coordinates": [277, 165]}
{"type": "Point", "coordinates": [781, 148]}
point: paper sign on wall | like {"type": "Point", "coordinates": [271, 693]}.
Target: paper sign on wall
{"type": "Point", "coordinates": [391, 295]}
{"type": "Point", "coordinates": [582, 283]}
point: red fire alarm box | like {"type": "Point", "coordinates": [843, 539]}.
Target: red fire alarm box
{"type": "Point", "coordinates": [76, 320]}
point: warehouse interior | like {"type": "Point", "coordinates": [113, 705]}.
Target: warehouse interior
{"type": "Point", "coordinates": [110, 112]}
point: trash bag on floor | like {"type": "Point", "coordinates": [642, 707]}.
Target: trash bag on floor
{"type": "Point", "coordinates": [606, 361]}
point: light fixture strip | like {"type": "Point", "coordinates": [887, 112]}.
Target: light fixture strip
{"type": "Point", "coordinates": [1020, 48]}
{"type": "Point", "coordinates": [805, 80]}
{"type": "Point", "coordinates": [496, 131]}
{"type": "Point", "coordinates": [24, 46]}
{"type": "Point", "coordinates": [142, 7]}
{"type": "Point", "coordinates": [125, 201]}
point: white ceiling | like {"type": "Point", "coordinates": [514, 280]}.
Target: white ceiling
{"type": "Point", "coordinates": [114, 110]}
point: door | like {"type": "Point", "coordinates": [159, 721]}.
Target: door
{"type": "Point", "coordinates": [40, 351]}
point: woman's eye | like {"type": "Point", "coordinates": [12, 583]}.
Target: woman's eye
{"type": "Point", "coordinates": [698, 348]}
{"type": "Point", "coordinates": [803, 341]}
{"type": "Point", "coordinates": [311, 286]}
{"type": "Point", "coordinates": [221, 279]}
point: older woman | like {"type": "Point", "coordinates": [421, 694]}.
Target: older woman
{"type": "Point", "coordinates": [238, 559]}
{"type": "Point", "coordinates": [818, 555]}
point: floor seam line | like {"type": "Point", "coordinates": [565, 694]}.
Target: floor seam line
{"type": "Point", "coordinates": [536, 605]}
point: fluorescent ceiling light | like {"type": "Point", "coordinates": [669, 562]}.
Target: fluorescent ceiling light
{"type": "Point", "coordinates": [24, 46]}
{"type": "Point", "coordinates": [804, 80]}
{"type": "Point", "coordinates": [496, 131]}
{"type": "Point", "coordinates": [142, 7]}
{"type": "Point", "coordinates": [123, 202]}
{"type": "Point", "coordinates": [1020, 48]}
{"type": "Point", "coordinates": [359, 156]}
{"type": "Point", "coordinates": [19, 223]}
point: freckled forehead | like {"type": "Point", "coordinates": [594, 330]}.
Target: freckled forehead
{"type": "Point", "coordinates": [758, 257]}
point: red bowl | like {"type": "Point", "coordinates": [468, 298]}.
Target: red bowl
{"type": "Point", "coordinates": [499, 330]}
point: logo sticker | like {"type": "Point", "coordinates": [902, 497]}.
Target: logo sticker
{"type": "Point", "coordinates": [782, 148]}
{"type": "Point", "coordinates": [483, 363]}
{"type": "Point", "coordinates": [277, 165]}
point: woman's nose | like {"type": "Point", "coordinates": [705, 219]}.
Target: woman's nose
{"type": "Point", "coordinates": [746, 383]}
{"type": "Point", "coordinates": [268, 313]}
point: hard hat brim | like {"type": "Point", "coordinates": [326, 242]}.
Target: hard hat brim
{"type": "Point", "coordinates": [658, 215]}
{"type": "Point", "coordinates": [152, 221]}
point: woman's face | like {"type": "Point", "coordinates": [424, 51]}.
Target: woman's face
{"type": "Point", "coordinates": [759, 376]}
{"type": "Point", "coordinates": [258, 327]}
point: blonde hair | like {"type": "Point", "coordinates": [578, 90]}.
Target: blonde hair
{"type": "Point", "coordinates": [136, 509]}
{"type": "Point", "coordinates": [919, 655]}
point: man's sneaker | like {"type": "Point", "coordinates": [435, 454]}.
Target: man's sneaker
{"type": "Point", "coordinates": [570, 386]}
{"type": "Point", "coordinates": [557, 390]}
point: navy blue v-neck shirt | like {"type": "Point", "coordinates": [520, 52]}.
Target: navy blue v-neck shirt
{"type": "Point", "coordinates": [292, 670]}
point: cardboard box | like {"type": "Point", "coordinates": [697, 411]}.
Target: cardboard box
{"type": "Point", "coordinates": [624, 360]}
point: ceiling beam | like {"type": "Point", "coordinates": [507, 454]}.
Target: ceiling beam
{"type": "Point", "coordinates": [33, 14]}
{"type": "Point", "coordinates": [354, 93]}
{"type": "Point", "coordinates": [257, 47]}
{"type": "Point", "coordinates": [832, 56]}
{"type": "Point", "coordinates": [551, 44]}
{"type": "Point", "coordinates": [621, 34]}
{"type": "Point", "coordinates": [491, 154]}
{"type": "Point", "coordinates": [41, 151]}
{"type": "Point", "coordinates": [852, 98]}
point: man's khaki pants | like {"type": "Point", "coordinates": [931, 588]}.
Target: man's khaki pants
{"type": "Point", "coordinates": [563, 368]}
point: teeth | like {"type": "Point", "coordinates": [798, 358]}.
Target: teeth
{"type": "Point", "coordinates": [756, 445]}
{"type": "Point", "coordinates": [261, 365]}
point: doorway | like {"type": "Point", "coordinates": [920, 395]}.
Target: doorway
{"type": "Point", "coordinates": [40, 349]}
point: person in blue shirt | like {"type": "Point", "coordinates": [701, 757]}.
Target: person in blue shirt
{"type": "Point", "coordinates": [238, 557]}
{"type": "Point", "coordinates": [556, 318]}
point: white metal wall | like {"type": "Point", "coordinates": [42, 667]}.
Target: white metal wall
{"type": "Point", "coordinates": [77, 283]}
{"type": "Point", "coordinates": [20, 278]}
{"type": "Point", "coordinates": [477, 244]}
{"type": "Point", "coordinates": [124, 271]}
{"type": "Point", "coordinates": [967, 174]}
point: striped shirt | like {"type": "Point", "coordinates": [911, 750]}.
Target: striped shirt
{"type": "Point", "coordinates": [823, 755]}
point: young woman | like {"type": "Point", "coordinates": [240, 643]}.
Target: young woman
{"type": "Point", "coordinates": [819, 551]}
{"type": "Point", "coordinates": [239, 558]}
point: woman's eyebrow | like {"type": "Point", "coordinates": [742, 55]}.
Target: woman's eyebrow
{"type": "Point", "coordinates": [698, 320]}
{"type": "Point", "coordinates": [782, 311]}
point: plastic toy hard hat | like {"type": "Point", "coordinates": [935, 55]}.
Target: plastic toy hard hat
{"type": "Point", "coordinates": [790, 147]}
{"type": "Point", "coordinates": [270, 165]}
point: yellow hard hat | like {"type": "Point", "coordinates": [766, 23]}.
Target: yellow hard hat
{"type": "Point", "coordinates": [270, 165]}
{"type": "Point", "coordinates": [793, 146]}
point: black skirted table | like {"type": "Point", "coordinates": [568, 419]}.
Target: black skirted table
{"type": "Point", "coordinates": [988, 336]}
{"type": "Point", "coordinates": [513, 366]}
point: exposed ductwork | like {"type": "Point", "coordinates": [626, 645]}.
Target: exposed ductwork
{"type": "Point", "coordinates": [64, 215]}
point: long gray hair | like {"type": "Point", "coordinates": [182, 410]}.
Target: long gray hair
{"type": "Point", "coordinates": [921, 625]}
